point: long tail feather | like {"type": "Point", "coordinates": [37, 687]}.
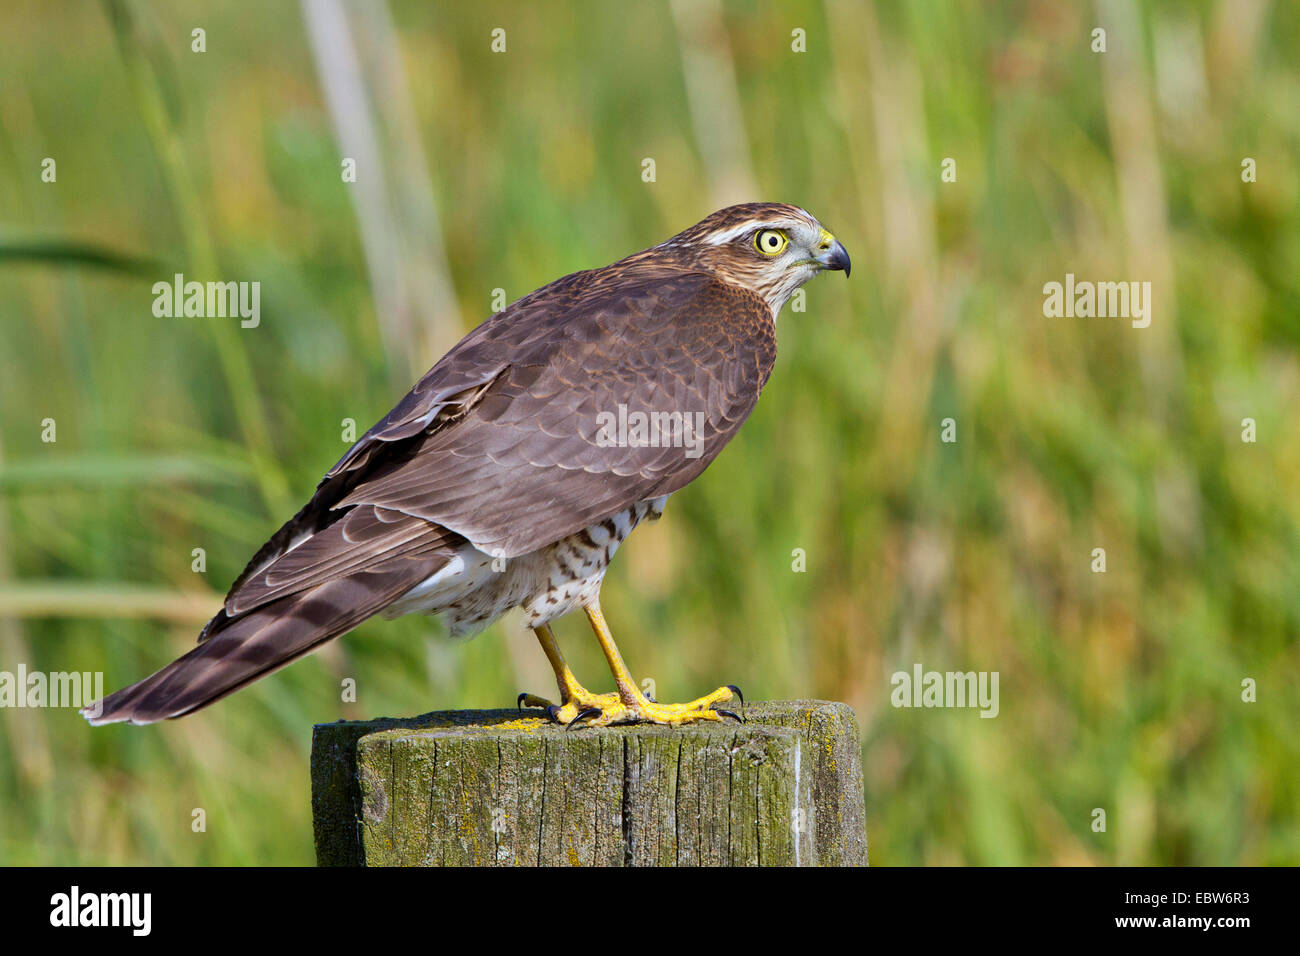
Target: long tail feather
{"type": "Point", "coordinates": [253, 645]}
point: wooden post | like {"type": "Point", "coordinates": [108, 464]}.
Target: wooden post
{"type": "Point", "coordinates": [492, 788]}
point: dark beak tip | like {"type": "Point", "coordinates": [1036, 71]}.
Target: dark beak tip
{"type": "Point", "coordinates": [842, 261]}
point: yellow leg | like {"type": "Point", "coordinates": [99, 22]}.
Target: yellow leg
{"type": "Point", "coordinates": [574, 698]}
{"type": "Point", "coordinates": [627, 705]}
{"type": "Point", "coordinates": [635, 707]}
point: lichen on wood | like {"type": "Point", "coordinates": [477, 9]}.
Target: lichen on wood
{"type": "Point", "coordinates": [492, 788]}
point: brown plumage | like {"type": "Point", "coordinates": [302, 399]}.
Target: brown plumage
{"type": "Point", "coordinates": [498, 452]}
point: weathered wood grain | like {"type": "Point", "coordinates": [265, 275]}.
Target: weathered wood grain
{"type": "Point", "coordinates": [492, 788]}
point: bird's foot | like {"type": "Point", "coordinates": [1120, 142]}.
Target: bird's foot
{"type": "Point", "coordinates": [635, 708]}
{"type": "Point", "coordinates": [629, 706]}
{"type": "Point", "coordinates": [577, 701]}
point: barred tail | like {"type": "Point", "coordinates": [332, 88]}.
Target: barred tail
{"type": "Point", "coordinates": [239, 650]}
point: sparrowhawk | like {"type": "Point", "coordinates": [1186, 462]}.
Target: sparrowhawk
{"type": "Point", "coordinates": [513, 470]}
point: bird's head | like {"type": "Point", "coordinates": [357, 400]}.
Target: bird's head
{"type": "Point", "coordinates": [769, 248]}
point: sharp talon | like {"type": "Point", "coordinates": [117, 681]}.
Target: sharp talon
{"type": "Point", "coordinates": [727, 713]}
{"type": "Point", "coordinates": [583, 715]}
{"type": "Point", "coordinates": [737, 692]}
{"type": "Point", "coordinates": [553, 712]}
{"type": "Point", "coordinates": [519, 701]}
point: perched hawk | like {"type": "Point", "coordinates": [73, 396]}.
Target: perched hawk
{"type": "Point", "coordinates": [509, 475]}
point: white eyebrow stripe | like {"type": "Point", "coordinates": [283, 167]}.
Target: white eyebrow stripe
{"type": "Point", "coordinates": [735, 232]}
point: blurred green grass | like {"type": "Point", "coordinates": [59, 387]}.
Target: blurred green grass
{"type": "Point", "coordinates": [1119, 691]}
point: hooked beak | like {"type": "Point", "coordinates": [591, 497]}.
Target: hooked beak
{"type": "Point", "coordinates": [835, 256]}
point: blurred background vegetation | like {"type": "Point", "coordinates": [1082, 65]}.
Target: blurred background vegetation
{"type": "Point", "coordinates": [480, 170]}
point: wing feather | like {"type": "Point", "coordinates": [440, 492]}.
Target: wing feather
{"type": "Point", "coordinates": [523, 466]}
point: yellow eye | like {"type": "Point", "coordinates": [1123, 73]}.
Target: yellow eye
{"type": "Point", "coordinates": [771, 242]}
